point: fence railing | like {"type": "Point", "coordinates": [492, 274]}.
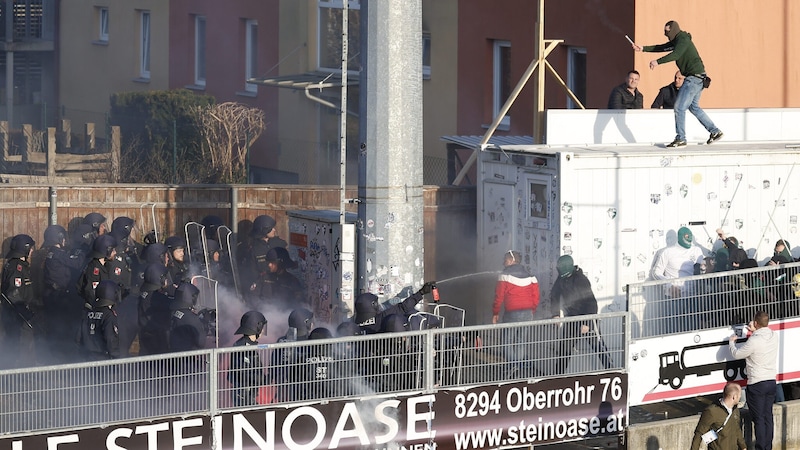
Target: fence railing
{"type": "Point", "coordinates": [713, 300]}
{"type": "Point", "coordinates": [212, 381]}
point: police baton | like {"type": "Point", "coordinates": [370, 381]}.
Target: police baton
{"type": "Point", "coordinates": [16, 310]}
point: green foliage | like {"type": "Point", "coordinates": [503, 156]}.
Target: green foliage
{"type": "Point", "coordinates": [150, 120]}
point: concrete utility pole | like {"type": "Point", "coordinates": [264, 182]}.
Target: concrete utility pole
{"type": "Point", "coordinates": [391, 233]}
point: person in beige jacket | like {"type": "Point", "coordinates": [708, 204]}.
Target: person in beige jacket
{"type": "Point", "coordinates": [760, 352]}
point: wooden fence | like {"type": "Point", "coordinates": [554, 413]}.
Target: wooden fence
{"type": "Point", "coordinates": [449, 212]}
{"type": "Point", "coordinates": [39, 157]}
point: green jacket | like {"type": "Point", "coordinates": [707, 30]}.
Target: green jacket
{"type": "Point", "coordinates": [730, 437]}
{"type": "Point", "coordinates": [682, 51]}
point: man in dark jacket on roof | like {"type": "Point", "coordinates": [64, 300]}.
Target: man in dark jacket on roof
{"type": "Point", "coordinates": [686, 57]}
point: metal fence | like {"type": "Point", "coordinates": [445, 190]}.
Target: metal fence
{"type": "Point", "coordinates": [210, 381]}
{"type": "Point", "coordinates": [713, 300]}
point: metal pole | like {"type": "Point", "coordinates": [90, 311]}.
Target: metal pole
{"type": "Point", "coordinates": [174, 151]}
{"type": "Point", "coordinates": [343, 117]}
{"type": "Point", "coordinates": [538, 117]}
{"type": "Point", "coordinates": [53, 204]}
{"type": "Point", "coordinates": [394, 212]}
{"type": "Point", "coordinates": [363, 96]}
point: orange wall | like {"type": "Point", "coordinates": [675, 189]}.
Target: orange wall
{"type": "Point", "coordinates": [748, 47]}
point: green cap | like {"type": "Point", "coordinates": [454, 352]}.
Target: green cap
{"type": "Point", "coordinates": [565, 266]}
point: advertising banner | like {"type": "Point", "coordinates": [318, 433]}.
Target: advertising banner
{"type": "Point", "coordinates": [481, 417]}
{"type": "Point", "coordinates": [699, 363]}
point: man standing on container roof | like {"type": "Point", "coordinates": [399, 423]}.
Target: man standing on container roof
{"type": "Point", "coordinates": [686, 57]}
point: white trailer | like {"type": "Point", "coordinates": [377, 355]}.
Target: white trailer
{"type": "Point", "coordinates": [613, 207]}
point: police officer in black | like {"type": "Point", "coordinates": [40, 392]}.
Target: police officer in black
{"type": "Point", "coordinates": [284, 372]}
{"type": "Point", "coordinates": [178, 264]}
{"type": "Point", "coordinates": [254, 264]}
{"type": "Point", "coordinates": [62, 307]}
{"type": "Point", "coordinates": [126, 259]}
{"type": "Point", "coordinates": [98, 223]}
{"type": "Point", "coordinates": [186, 332]}
{"type": "Point", "coordinates": [154, 311]}
{"type": "Point", "coordinates": [278, 287]}
{"type": "Point", "coordinates": [99, 334]}
{"type": "Point", "coordinates": [17, 291]}
{"type": "Point", "coordinates": [246, 373]}
{"type": "Point", "coordinates": [104, 249]}
{"type": "Point", "coordinates": [370, 313]}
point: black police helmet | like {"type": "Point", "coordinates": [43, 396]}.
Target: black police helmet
{"type": "Point", "coordinates": [154, 253]}
{"type": "Point", "coordinates": [94, 219]}
{"type": "Point", "coordinates": [54, 234]}
{"type": "Point", "coordinates": [212, 246]}
{"type": "Point", "coordinates": [175, 242]}
{"type": "Point", "coordinates": [348, 328]}
{"type": "Point", "coordinates": [262, 225]}
{"type": "Point", "coordinates": [281, 256]}
{"type": "Point", "coordinates": [20, 246]}
{"type": "Point", "coordinates": [185, 296]}
{"type": "Point", "coordinates": [252, 324]}
{"type": "Point", "coordinates": [320, 333]}
{"type": "Point", "coordinates": [83, 235]}
{"type": "Point", "coordinates": [103, 246]}
{"type": "Point", "coordinates": [106, 293]}
{"type": "Point", "coordinates": [121, 227]}
{"type": "Point", "coordinates": [212, 223]}
{"type": "Point", "coordinates": [300, 319]}
{"type": "Point", "coordinates": [154, 276]}
{"type": "Point", "coordinates": [367, 306]}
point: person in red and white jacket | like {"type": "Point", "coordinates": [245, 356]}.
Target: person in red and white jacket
{"type": "Point", "coordinates": [517, 291]}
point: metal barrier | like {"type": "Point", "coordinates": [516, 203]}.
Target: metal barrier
{"type": "Point", "coordinates": [713, 300]}
{"type": "Point", "coordinates": [211, 381]}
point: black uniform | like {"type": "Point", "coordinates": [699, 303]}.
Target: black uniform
{"type": "Point", "coordinates": [18, 289]}
{"type": "Point", "coordinates": [186, 331]}
{"type": "Point", "coordinates": [63, 307]}
{"type": "Point", "coordinates": [154, 322]}
{"type": "Point", "coordinates": [99, 335]}
{"type": "Point", "coordinates": [92, 275]}
{"type": "Point", "coordinates": [246, 373]}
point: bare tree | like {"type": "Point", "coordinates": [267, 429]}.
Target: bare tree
{"type": "Point", "coordinates": [229, 129]}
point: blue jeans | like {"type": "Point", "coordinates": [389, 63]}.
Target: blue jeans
{"type": "Point", "coordinates": [760, 397]}
{"type": "Point", "coordinates": [517, 340]}
{"type": "Point", "coordinates": [689, 98]}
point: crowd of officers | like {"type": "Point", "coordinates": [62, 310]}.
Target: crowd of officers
{"type": "Point", "coordinates": [89, 294]}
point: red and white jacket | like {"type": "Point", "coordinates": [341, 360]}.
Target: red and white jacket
{"type": "Point", "coordinates": [517, 289]}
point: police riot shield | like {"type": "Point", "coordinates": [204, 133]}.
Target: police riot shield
{"type": "Point", "coordinates": [148, 225]}
{"type": "Point", "coordinates": [451, 345]}
{"type": "Point", "coordinates": [196, 247]}
{"type": "Point", "coordinates": [207, 303]}
{"type": "Point", "coordinates": [227, 257]}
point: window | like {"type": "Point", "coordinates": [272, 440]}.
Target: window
{"type": "Point", "coordinates": [251, 54]}
{"type": "Point", "coordinates": [144, 45]}
{"type": "Point", "coordinates": [501, 79]}
{"type": "Point", "coordinates": [102, 24]}
{"type": "Point", "coordinates": [329, 33]}
{"type": "Point", "coordinates": [576, 76]}
{"type": "Point", "coordinates": [426, 55]}
{"type": "Point", "coordinates": [200, 50]}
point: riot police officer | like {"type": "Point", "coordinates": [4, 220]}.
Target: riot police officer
{"type": "Point", "coordinates": [186, 332]}
{"type": "Point", "coordinates": [17, 291]}
{"type": "Point", "coordinates": [61, 304]}
{"type": "Point", "coordinates": [178, 265]}
{"type": "Point", "coordinates": [246, 373]}
{"type": "Point", "coordinates": [154, 311]}
{"type": "Point", "coordinates": [99, 335]}
{"type": "Point", "coordinates": [121, 267]}
{"type": "Point", "coordinates": [104, 249]}
{"type": "Point", "coordinates": [98, 223]}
